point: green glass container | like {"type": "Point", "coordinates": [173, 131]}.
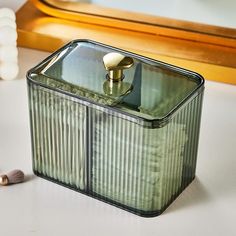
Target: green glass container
{"type": "Point", "coordinates": [114, 125]}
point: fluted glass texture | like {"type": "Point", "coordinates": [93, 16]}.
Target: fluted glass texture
{"type": "Point", "coordinates": [144, 168]}
{"type": "Point", "coordinates": [58, 137]}
{"type": "Point", "coordinates": [136, 150]}
{"type": "Point", "coordinates": [107, 155]}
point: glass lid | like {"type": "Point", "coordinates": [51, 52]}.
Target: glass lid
{"type": "Point", "coordinates": [115, 78]}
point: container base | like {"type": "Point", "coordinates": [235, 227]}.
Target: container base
{"type": "Point", "coordinates": [116, 204]}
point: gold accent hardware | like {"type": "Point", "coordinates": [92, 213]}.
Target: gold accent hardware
{"type": "Point", "coordinates": [115, 63]}
{"type": "Point", "coordinates": [116, 89]}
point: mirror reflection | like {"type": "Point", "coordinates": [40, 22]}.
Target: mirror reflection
{"type": "Point", "coordinates": [211, 12]}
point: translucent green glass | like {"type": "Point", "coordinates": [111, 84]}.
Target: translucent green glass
{"type": "Point", "coordinates": [137, 151]}
{"type": "Point", "coordinates": [78, 69]}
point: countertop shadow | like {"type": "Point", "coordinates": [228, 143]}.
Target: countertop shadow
{"type": "Point", "coordinates": [195, 194]}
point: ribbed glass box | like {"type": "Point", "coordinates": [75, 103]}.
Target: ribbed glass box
{"type": "Point", "coordinates": [115, 125]}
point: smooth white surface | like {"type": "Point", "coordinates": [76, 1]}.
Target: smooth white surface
{"type": "Point", "coordinates": [41, 208]}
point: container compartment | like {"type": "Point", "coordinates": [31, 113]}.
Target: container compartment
{"type": "Point", "coordinates": [144, 168]}
{"type": "Point", "coordinates": [58, 125]}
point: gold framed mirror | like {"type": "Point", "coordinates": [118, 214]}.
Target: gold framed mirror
{"type": "Point", "coordinates": [144, 17]}
{"type": "Point", "coordinates": [207, 49]}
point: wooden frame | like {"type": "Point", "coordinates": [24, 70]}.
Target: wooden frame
{"type": "Point", "coordinates": [213, 60]}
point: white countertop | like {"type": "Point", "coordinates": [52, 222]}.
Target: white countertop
{"type": "Point", "coordinates": [39, 207]}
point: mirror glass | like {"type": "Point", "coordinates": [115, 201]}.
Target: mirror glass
{"type": "Point", "coordinates": [211, 12]}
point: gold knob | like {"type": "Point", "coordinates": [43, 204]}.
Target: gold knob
{"type": "Point", "coordinates": [116, 89]}
{"type": "Point", "coordinates": [115, 63]}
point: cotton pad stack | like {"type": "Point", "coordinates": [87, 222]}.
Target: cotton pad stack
{"type": "Point", "coordinates": [138, 167]}
{"type": "Point", "coordinates": [8, 50]}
